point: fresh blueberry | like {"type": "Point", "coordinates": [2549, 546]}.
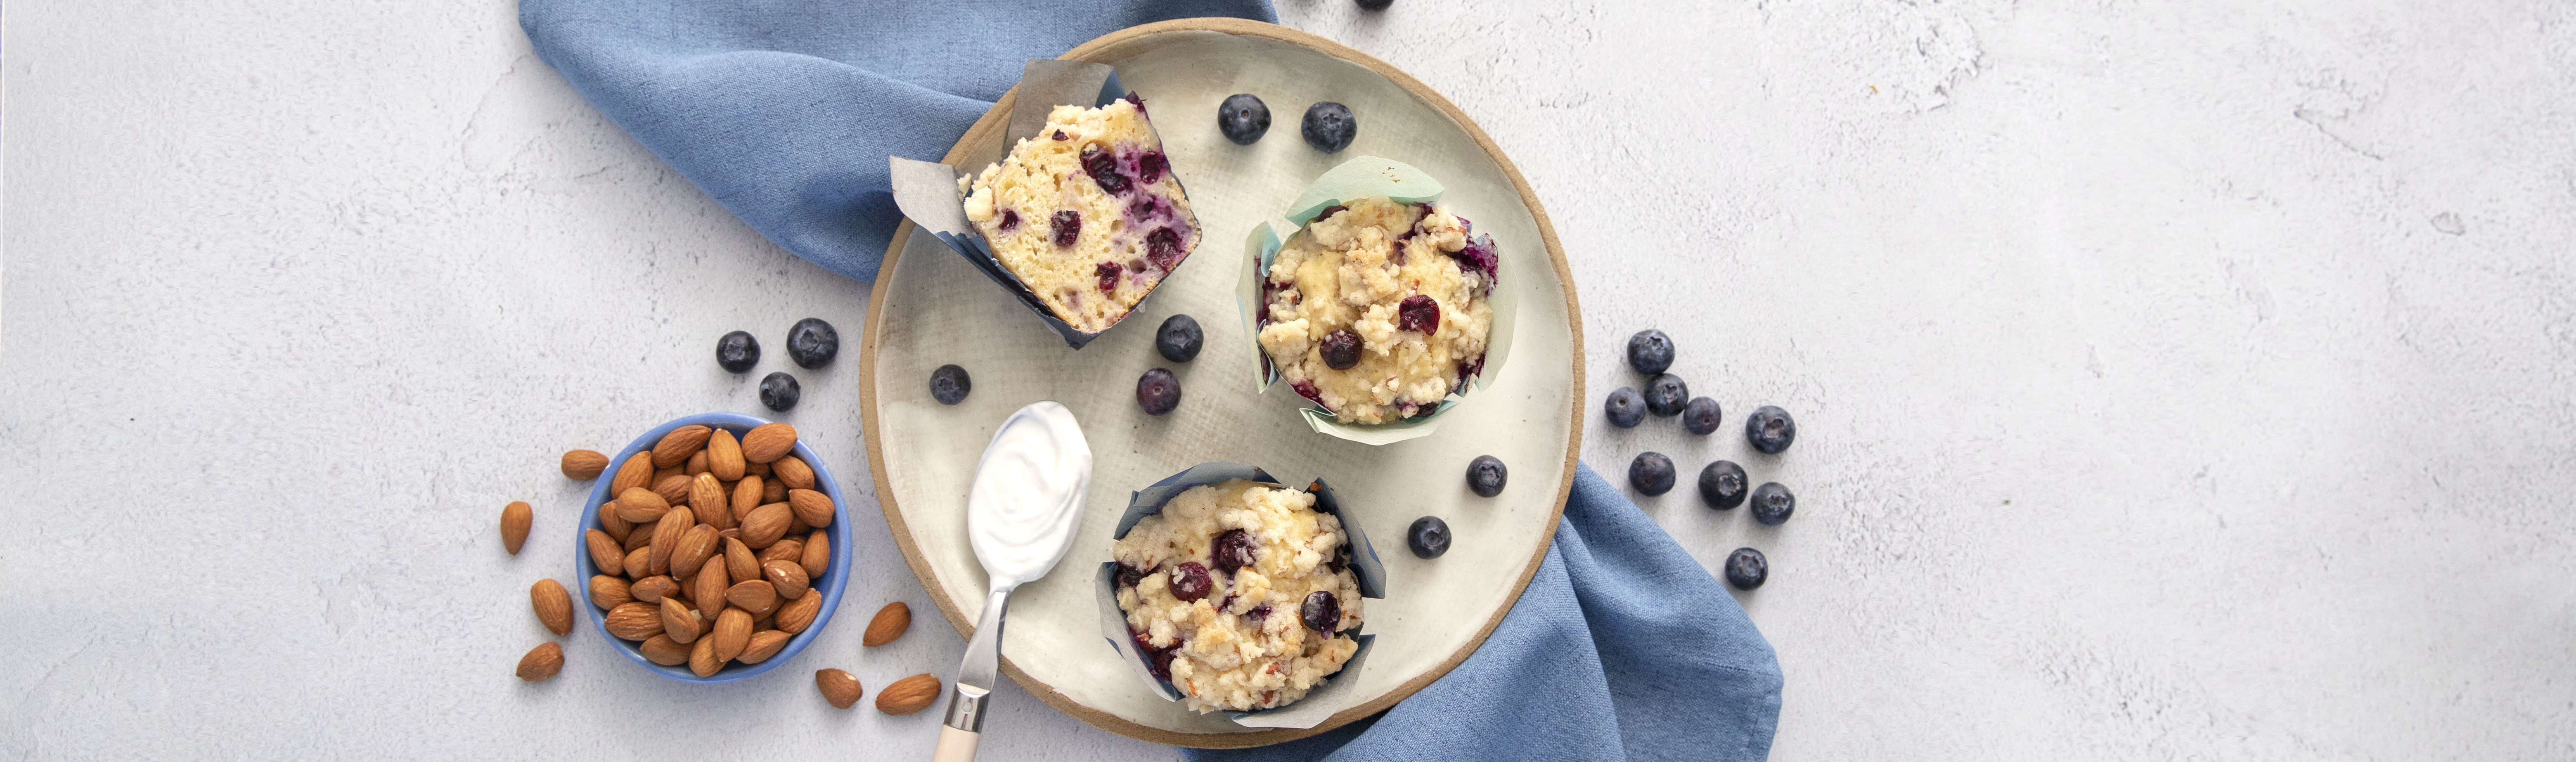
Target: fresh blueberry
{"type": "Point", "coordinates": [1651, 473]}
{"type": "Point", "coordinates": [1772, 503]}
{"type": "Point", "coordinates": [949, 384]}
{"type": "Point", "coordinates": [1745, 568]}
{"type": "Point", "coordinates": [1233, 551]}
{"type": "Point", "coordinates": [1329, 126]}
{"type": "Point", "coordinates": [1158, 391]}
{"type": "Point", "coordinates": [779, 392]}
{"type": "Point", "coordinates": [1190, 581]}
{"type": "Point", "coordinates": [1721, 485]}
{"type": "Point", "coordinates": [1486, 474]}
{"type": "Point", "coordinates": [1418, 312]}
{"type": "Point", "coordinates": [1243, 118]}
{"type": "Point", "coordinates": [812, 343]}
{"type": "Point", "coordinates": [1701, 416]}
{"type": "Point", "coordinates": [1650, 352]}
{"type": "Point", "coordinates": [1665, 394]}
{"type": "Point", "coordinates": [737, 351]}
{"type": "Point", "coordinates": [1770, 430]}
{"type": "Point", "coordinates": [1067, 226]}
{"type": "Point", "coordinates": [1429, 537]}
{"type": "Point", "coordinates": [1321, 612]}
{"type": "Point", "coordinates": [1624, 407]}
{"type": "Point", "coordinates": [1179, 339]}
{"type": "Point", "coordinates": [1341, 349]}
{"type": "Point", "coordinates": [1374, 5]}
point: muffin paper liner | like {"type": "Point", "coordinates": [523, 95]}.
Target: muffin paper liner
{"type": "Point", "coordinates": [1363, 177]}
{"type": "Point", "coordinates": [1306, 711]}
{"type": "Point", "coordinates": [929, 195]}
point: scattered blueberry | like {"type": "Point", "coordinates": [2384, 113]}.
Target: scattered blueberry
{"type": "Point", "coordinates": [1374, 5]}
{"type": "Point", "coordinates": [1486, 474]}
{"type": "Point", "coordinates": [1233, 551]}
{"type": "Point", "coordinates": [1651, 473]}
{"type": "Point", "coordinates": [1321, 612]}
{"type": "Point", "coordinates": [1179, 339]}
{"type": "Point", "coordinates": [1770, 430]}
{"type": "Point", "coordinates": [1158, 391]}
{"type": "Point", "coordinates": [949, 384]}
{"type": "Point", "coordinates": [812, 343]}
{"type": "Point", "coordinates": [1701, 416]}
{"type": "Point", "coordinates": [1745, 568]}
{"type": "Point", "coordinates": [1721, 485]}
{"type": "Point", "coordinates": [1418, 312]}
{"type": "Point", "coordinates": [1429, 537]}
{"type": "Point", "coordinates": [737, 351]}
{"type": "Point", "coordinates": [1341, 349]}
{"type": "Point", "coordinates": [1624, 407]}
{"type": "Point", "coordinates": [1243, 118]}
{"type": "Point", "coordinates": [1329, 126]}
{"type": "Point", "coordinates": [1190, 581]}
{"type": "Point", "coordinates": [779, 391]}
{"type": "Point", "coordinates": [1772, 503]}
{"type": "Point", "coordinates": [1665, 394]}
{"type": "Point", "coordinates": [1068, 227]}
{"type": "Point", "coordinates": [1650, 352]}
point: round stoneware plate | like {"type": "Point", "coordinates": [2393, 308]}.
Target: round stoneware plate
{"type": "Point", "coordinates": [931, 308]}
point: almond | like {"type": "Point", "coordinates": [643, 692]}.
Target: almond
{"type": "Point", "coordinates": [515, 518]}
{"type": "Point", "coordinates": [746, 495]}
{"type": "Point", "coordinates": [637, 472]}
{"type": "Point", "coordinates": [753, 595]}
{"type": "Point", "coordinates": [787, 576]}
{"type": "Point", "coordinates": [662, 650]}
{"type": "Point", "coordinates": [640, 506]}
{"type": "Point", "coordinates": [764, 525]}
{"type": "Point", "coordinates": [793, 472]}
{"type": "Point", "coordinates": [756, 469]}
{"type": "Point", "coordinates": [660, 474]}
{"type": "Point", "coordinates": [890, 623]}
{"type": "Point", "coordinates": [838, 687]}
{"type": "Point", "coordinates": [610, 522]}
{"type": "Point", "coordinates": [708, 588]}
{"type": "Point", "coordinates": [607, 592]}
{"type": "Point", "coordinates": [813, 508]}
{"type": "Point", "coordinates": [764, 644]}
{"type": "Point", "coordinates": [732, 633]}
{"type": "Point", "coordinates": [666, 539]}
{"type": "Point", "coordinates": [676, 447]}
{"type": "Point", "coordinates": [724, 456]}
{"type": "Point", "coordinates": [583, 465]}
{"type": "Point", "coordinates": [734, 533]}
{"type": "Point", "coordinates": [674, 489]}
{"type": "Point", "coordinates": [695, 546]}
{"type": "Point", "coordinates": [553, 605]}
{"type": "Point", "coordinates": [707, 497]}
{"type": "Point", "coordinates": [909, 695]}
{"type": "Point", "coordinates": [604, 552]}
{"type": "Point", "coordinates": [652, 589]}
{"type": "Point", "coordinates": [768, 442]}
{"type": "Point", "coordinates": [783, 550]}
{"type": "Point", "coordinates": [739, 562]}
{"type": "Point", "coordinates": [798, 614]}
{"type": "Point", "coordinates": [679, 622]}
{"type": "Point", "coordinates": [773, 491]}
{"type": "Point", "coordinates": [697, 464]}
{"type": "Point", "coordinates": [541, 663]}
{"type": "Point", "coordinates": [635, 561]}
{"type": "Point", "coordinates": [702, 658]}
{"type": "Point", "coordinates": [634, 621]}
{"type": "Point", "coordinates": [817, 556]}
{"type": "Point", "coordinates": [639, 537]}
{"type": "Point", "coordinates": [795, 526]}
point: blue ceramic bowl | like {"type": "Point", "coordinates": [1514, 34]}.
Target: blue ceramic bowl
{"type": "Point", "coordinates": [829, 585]}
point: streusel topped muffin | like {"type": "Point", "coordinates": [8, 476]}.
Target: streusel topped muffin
{"type": "Point", "coordinates": [1377, 310]}
{"type": "Point", "coordinates": [1240, 594]}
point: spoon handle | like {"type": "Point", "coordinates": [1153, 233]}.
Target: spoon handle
{"type": "Point", "coordinates": [975, 682]}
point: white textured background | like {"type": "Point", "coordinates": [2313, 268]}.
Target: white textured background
{"type": "Point", "coordinates": [2173, 381]}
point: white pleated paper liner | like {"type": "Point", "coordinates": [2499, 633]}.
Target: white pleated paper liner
{"type": "Point", "coordinates": [1365, 177]}
{"type": "Point", "coordinates": [1306, 711]}
{"type": "Point", "coordinates": [928, 194]}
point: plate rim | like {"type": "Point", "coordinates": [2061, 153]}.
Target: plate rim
{"type": "Point", "coordinates": [994, 120]}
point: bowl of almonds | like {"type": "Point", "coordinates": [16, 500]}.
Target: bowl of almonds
{"type": "Point", "coordinates": [715, 547]}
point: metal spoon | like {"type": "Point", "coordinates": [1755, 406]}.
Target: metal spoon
{"type": "Point", "coordinates": [1020, 515]}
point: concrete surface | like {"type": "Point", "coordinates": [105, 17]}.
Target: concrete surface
{"type": "Point", "coordinates": [2173, 380]}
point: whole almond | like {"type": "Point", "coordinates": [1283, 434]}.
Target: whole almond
{"type": "Point", "coordinates": [739, 562]}
{"type": "Point", "coordinates": [652, 589]}
{"type": "Point", "coordinates": [724, 456]}
{"type": "Point", "coordinates": [796, 527]}
{"type": "Point", "coordinates": [676, 447]}
{"type": "Point", "coordinates": [662, 474]}
{"type": "Point", "coordinates": [909, 695]}
{"type": "Point", "coordinates": [793, 472]}
{"type": "Point", "coordinates": [636, 472]}
{"type": "Point", "coordinates": [607, 592]}
{"type": "Point", "coordinates": [763, 644]}
{"type": "Point", "coordinates": [583, 465]}
{"type": "Point", "coordinates": [787, 576]}
{"type": "Point", "coordinates": [674, 489]}
{"type": "Point", "coordinates": [764, 525]}
{"type": "Point", "coordinates": [798, 614]}
{"type": "Point", "coordinates": [838, 687]}
{"type": "Point", "coordinates": [756, 469]}
{"type": "Point", "coordinates": [515, 519]}
{"type": "Point", "coordinates": [707, 497]}
{"type": "Point", "coordinates": [666, 539]}
{"type": "Point", "coordinates": [697, 464]}
{"type": "Point", "coordinates": [732, 633]}
{"type": "Point", "coordinates": [773, 491]}
{"type": "Point", "coordinates": [640, 537]}
{"type": "Point", "coordinates": [695, 546]}
{"type": "Point", "coordinates": [768, 442]}
{"type": "Point", "coordinates": [604, 552]}
{"type": "Point", "coordinates": [890, 623]}
{"type": "Point", "coordinates": [813, 508]}
{"type": "Point", "coordinates": [786, 549]}
{"type": "Point", "coordinates": [662, 650]}
{"type": "Point", "coordinates": [817, 556]}
{"type": "Point", "coordinates": [754, 595]}
{"type": "Point", "coordinates": [708, 588]}
{"type": "Point", "coordinates": [553, 605]}
{"type": "Point", "coordinates": [746, 495]}
{"type": "Point", "coordinates": [634, 621]}
{"type": "Point", "coordinates": [542, 662]}
{"type": "Point", "coordinates": [702, 658]}
{"type": "Point", "coordinates": [679, 622]}
{"type": "Point", "coordinates": [616, 526]}
{"type": "Point", "coordinates": [640, 506]}
{"type": "Point", "coordinates": [635, 563]}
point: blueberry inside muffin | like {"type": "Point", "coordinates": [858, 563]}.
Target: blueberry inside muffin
{"type": "Point", "coordinates": [1377, 310]}
{"type": "Point", "coordinates": [1241, 594]}
{"type": "Point", "coordinates": [1087, 213]}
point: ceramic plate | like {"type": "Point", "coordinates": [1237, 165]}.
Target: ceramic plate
{"type": "Point", "coordinates": [932, 308]}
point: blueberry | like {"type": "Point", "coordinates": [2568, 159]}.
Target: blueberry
{"type": "Point", "coordinates": [1233, 551]}
{"type": "Point", "coordinates": [1321, 612]}
{"type": "Point", "coordinates": [1701, 416]}
{"type": "Point", "coordinates": [1102, 166]}
{"type": "Point", "coordinates": [779, 392]}
{"type": "Point", "coordinates": [1429, 537]}
{"type": "Point", "coordinates": [1158, 392]}
{"type": "Point", "coordinates": [1772, 503]}
{"type": "Point", "coordinates": [1418, 312]}
{"type": "Point", "coordinates": [1067, 226]}
{"type": "Point", "coordinates": [1179, 339]}
{"type": "Point", "coordinates": [1329, 126]}
{"type": "Point", "coordinates": [1624, 407]}
{"type": "Point", "coordinates": [1341, 349]}
{"type": "Point", "coordinates": [1163, 246]}
{"type": "Point", "coordinates": [1745, 568]}
{"type": "Point", "coordinates": [1721, 485]}
{"type": "Point", "coordinates": [1650, 352]}
{"type": "Point", "coordinates": [1151, 166]}
{"type": "Point", "coordinates": [1374, 5]}
{"type": "Point", "coordinates": [949, 384]}
{"type": "Point", "coordinates": [1128, 576]}
{"type": "Point", "coordinates": [1770, 430]}
{"type": "Point", "coordinates": [1107, 274]}
{"type": "Point", "coordinates": [1486, 474]}
{"type": "Point", "coordinates": [1190, 581]}
{"type": "Point", "coordinates": [812, 343]}
{"type": "Point", "coordinates": [737, 351]}
{"type": "Point", "coordinates": [1651, 473]}
{"type": "Point", "coordinates": [1243, 118]}
{"type": "Point", "coordinates": [1665, 394]}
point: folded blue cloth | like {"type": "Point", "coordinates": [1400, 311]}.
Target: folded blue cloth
{"type": "Point", "coordinates": [784, 111]}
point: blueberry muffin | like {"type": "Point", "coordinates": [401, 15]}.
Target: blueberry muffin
{"type": "Point", "coordinates": [1087, 213]}
{"type": "Point", "coordinates": [1377, 310]}
{"type": "Point", "coordinates": [1240, 594]}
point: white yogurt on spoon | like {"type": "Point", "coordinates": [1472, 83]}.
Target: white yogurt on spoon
{"type": "Point", "coordinates": [1020, 511]}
